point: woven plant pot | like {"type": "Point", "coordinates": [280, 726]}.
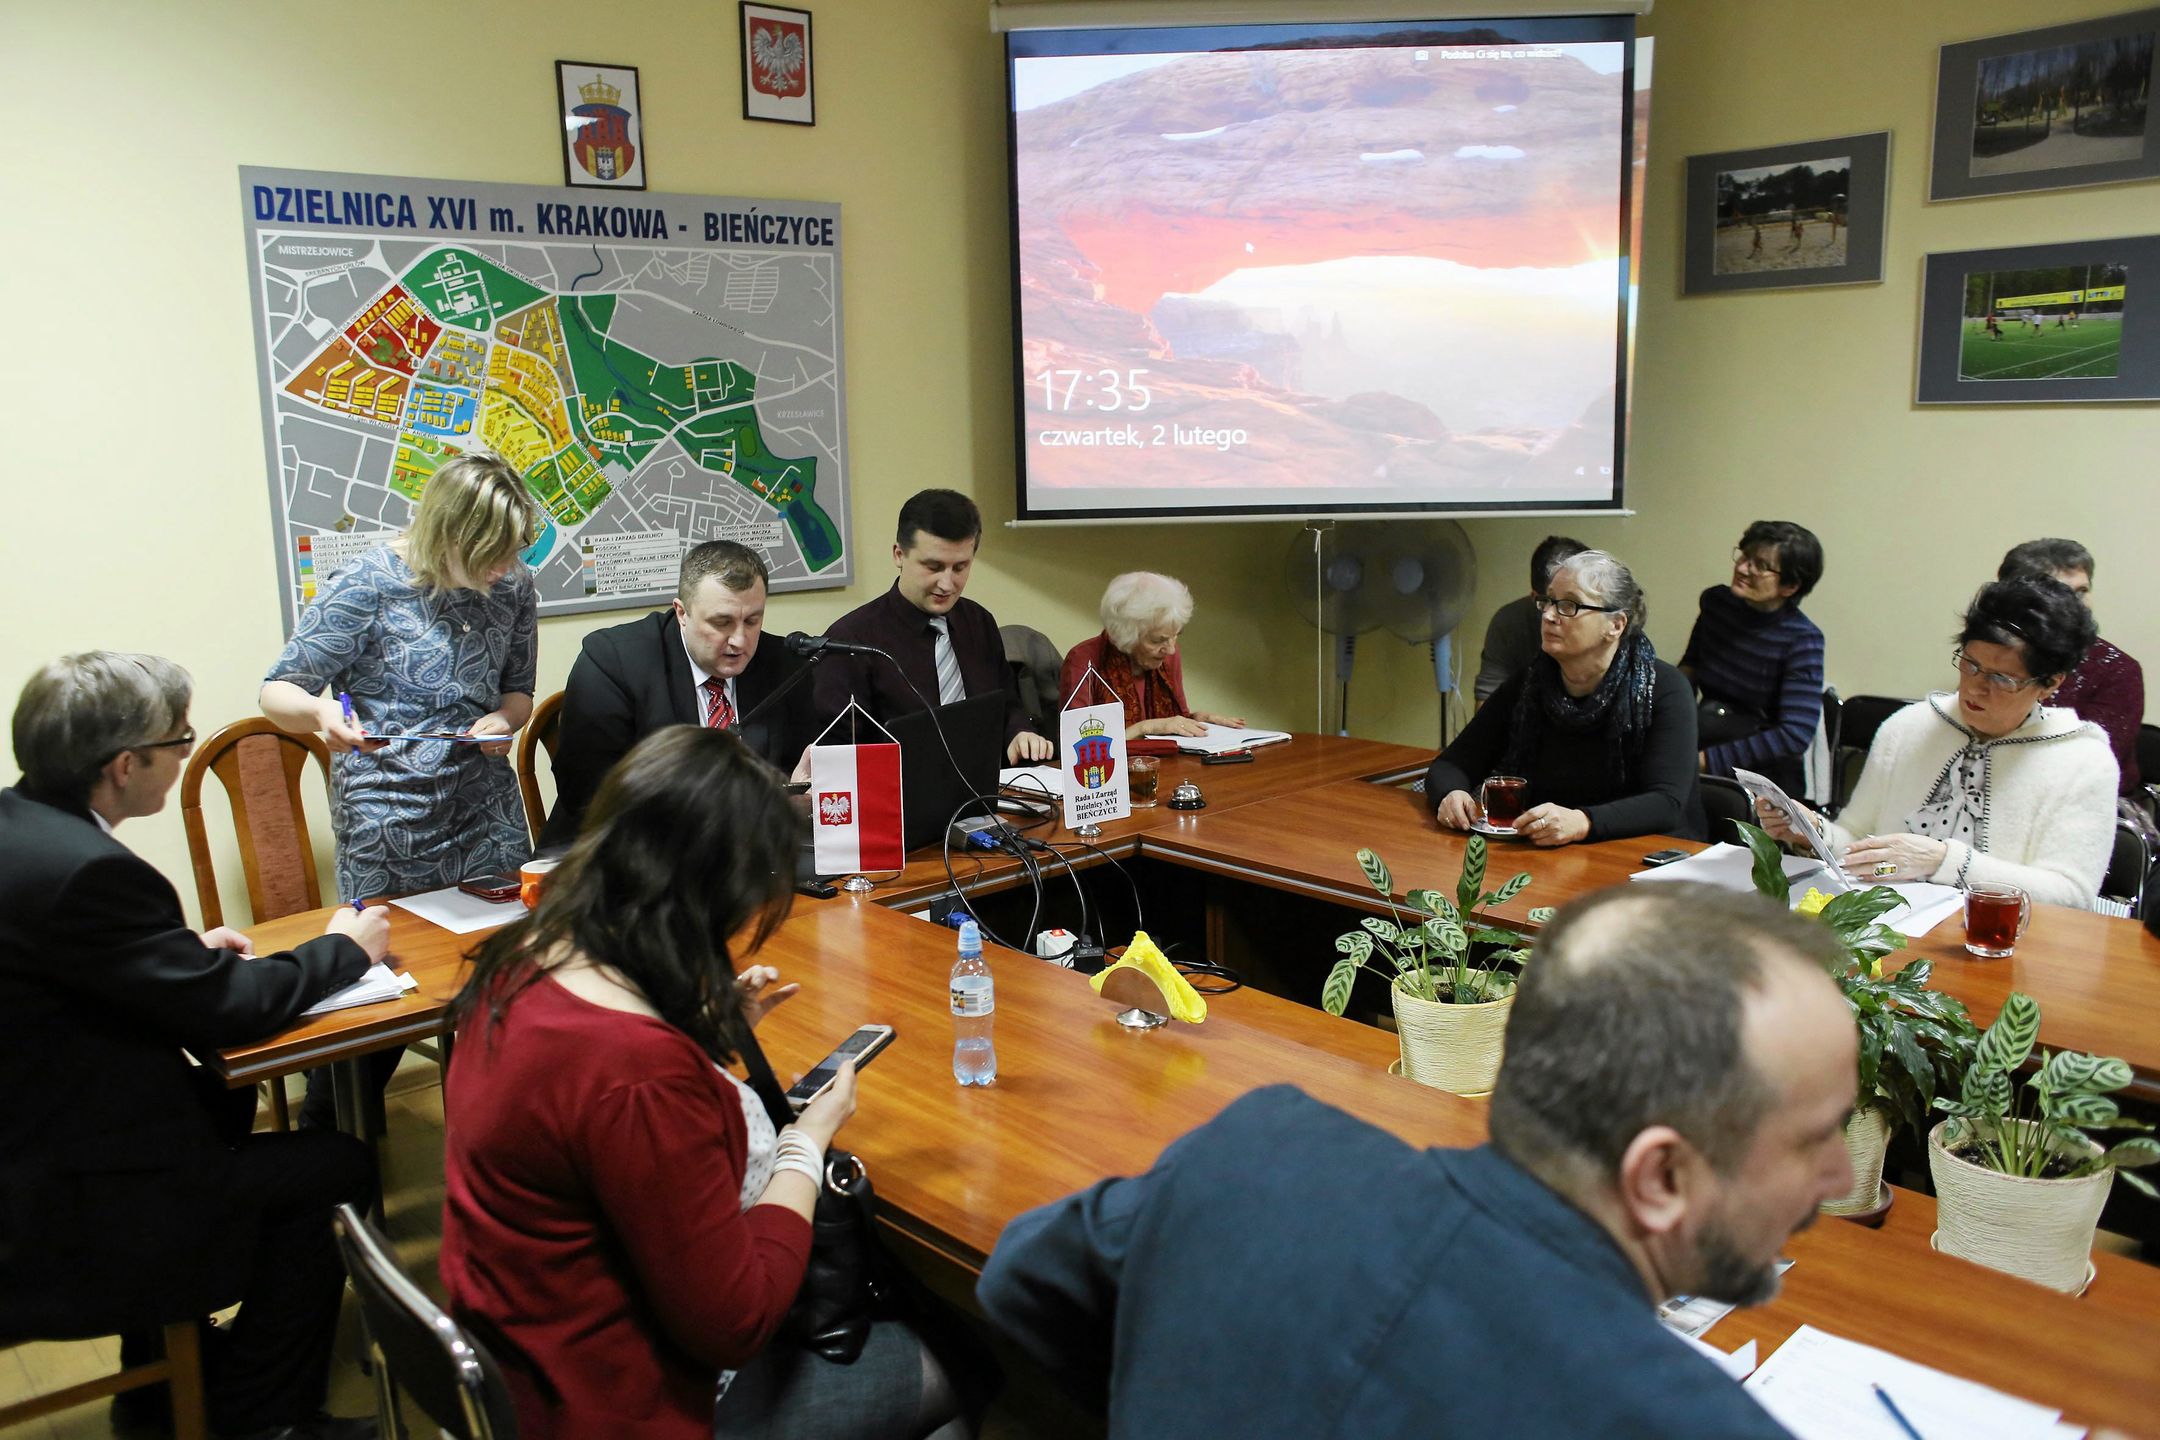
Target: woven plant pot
{"type": "Point", "coordinates": [1867, 1136]}
{"type": "Point", "coordinates": [1451, 1047]}
{"type": "Point", "coordinates": [2040, 1230]}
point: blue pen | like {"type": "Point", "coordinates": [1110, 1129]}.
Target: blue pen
{"type": "Point", "coordinates": [358, 906]}
{"type": "Point", "coordinates": [1895, 1413]}
{"type": "Point", "coordinates": [345, 701]}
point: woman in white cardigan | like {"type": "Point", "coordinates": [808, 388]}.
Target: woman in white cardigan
{"type": "Point", "coordinates": [1989, 783]}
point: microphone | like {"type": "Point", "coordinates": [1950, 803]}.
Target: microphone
{"type": "Point", "coordinates": [810, 646]}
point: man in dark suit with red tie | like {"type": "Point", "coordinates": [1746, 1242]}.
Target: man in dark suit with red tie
{"type": "Point", "coordinates": [698, 662]}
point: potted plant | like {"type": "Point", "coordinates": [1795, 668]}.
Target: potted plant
{"type": "Point", "coordinates": [1450, 979]}
{"type": "Point", "coordinates": [1914, 1042]}
{"type": "Point", "coordinates": [2018, 1177]}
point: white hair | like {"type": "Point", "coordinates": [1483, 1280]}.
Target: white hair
{"type": "Point", "coordinates": [1606, 581]}
{"type": "Point", "coordinates": [1139, 601]}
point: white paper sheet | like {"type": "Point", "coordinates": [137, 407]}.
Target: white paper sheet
{"type": "Point", "coordinates": [1820, 1387]}
{"type": "Point", "coordinates": [377, 984]}
{"type": "Point", "coordinates": [1739, 1364]}
{"type": "Point", "coordinates": [1688, 1316]}
{"type": "Point", "coordinates": [460, 913]}
{"type": "Point", "coordinates": [1732, 867]}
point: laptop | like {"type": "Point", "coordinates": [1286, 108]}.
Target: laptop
{"type": "Point", "coordinates": [932, 793]}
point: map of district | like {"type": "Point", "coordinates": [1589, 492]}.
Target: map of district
{"type": "Point", "coordinates": [651, 398]}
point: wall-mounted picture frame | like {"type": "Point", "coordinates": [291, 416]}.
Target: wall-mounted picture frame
{"type": "Point", "coordinates": [1782, 216]}
{"type": "Point", "coordinates": [777, 80]}
{"type": "Point", "coordinates": [603, 128]}
{"type": "Point", "coordinates": [2053, 324]}
{"type": "Point", "coordinates": [2048, 109]}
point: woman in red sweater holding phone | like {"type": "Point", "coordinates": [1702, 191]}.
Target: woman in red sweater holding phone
{"type": "Point", "coordinates": [623, 1228]}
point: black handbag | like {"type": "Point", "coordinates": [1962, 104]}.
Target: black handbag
{"type": "Point", "coordinates": [849, 1281]}
{"type": "Point", "coordinates": [1717, 721]}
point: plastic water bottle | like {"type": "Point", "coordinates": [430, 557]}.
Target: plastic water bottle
{"type": "Point", "coordinates": [974, 1004]}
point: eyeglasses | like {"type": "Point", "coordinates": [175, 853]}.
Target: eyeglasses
{"type": "Point", "coordinates": [2007, 684]}
{"type": "Point", "coordinates": [1743, 561]}
{"type": "Point", "coordinates": [1569, 609]}
{"type": "Point", "coordinates": [185, 744]}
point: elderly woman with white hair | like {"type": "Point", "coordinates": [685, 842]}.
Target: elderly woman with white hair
{"type": "Point", "coordinates": [1601, 729]}
{"type": "Point", "coordinates": [1137, 656]}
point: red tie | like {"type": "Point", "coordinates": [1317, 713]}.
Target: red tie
{"type": "Point", "coordinates": [718, 713]}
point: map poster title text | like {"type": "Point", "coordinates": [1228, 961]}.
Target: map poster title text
{"type": "Point", "coordinates": [374, 209]}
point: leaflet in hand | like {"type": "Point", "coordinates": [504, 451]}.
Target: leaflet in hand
{"type": "Point", "coordinates": [379, 983]}
{"type": "Point", "coordinates": [1221, 739]}
{"type": "Point", "coordinates": [1762, 790]}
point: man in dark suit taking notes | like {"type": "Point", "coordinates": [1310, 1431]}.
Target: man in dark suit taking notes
{"type": "Point", "coordinates": [131, 1193]}
{"type": "Point", "coordinates": [1669, 1111]}
{"type": "Point", "coordinates": [698, 662]}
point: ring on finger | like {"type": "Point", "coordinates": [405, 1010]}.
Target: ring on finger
{"type": "Point", "coordinates": [1885, 867]}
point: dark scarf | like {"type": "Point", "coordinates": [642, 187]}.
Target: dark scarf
{"type": "Point", "coordinates": [1620, 707]}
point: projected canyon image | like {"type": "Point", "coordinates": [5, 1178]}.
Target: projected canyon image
{"type": "Point", "coordinates": [1391, 275]}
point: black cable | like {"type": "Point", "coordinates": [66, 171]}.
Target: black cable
{"type": "Point", "coordinates": [952, 880]}
{"type": "Point", "coordinates": [1078, 889]}
{"type": "Point", "coordinates": [1139, 920]}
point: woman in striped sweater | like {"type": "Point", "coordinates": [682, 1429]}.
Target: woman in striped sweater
{"type": "Point", "coordinates": [1756, 660]}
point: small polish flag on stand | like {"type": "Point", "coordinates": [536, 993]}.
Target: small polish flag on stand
{"type": "Point", "coordinates": [855, 808]}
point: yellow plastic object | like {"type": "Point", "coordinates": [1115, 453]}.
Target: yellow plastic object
{"type": "Point", "coordinates": [1141, 955]}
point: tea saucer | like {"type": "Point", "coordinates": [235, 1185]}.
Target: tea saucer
{"type": "Point", "coordinates": [1505, 832]}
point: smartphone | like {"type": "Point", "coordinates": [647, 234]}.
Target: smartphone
{"type": "Point", "coordinates": [859, 1047]}
{"type": "Point", "coordinates": [1664, 857]}
{"type": "Point", "coordinates": [498, 889]}
{"type": "Point", "coordinates": [1228, 757]}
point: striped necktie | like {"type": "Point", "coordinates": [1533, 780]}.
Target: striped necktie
{"type": "Point", "coordinates": [718, 713]}
{"type": "Point", "coordinates": [950, 687]}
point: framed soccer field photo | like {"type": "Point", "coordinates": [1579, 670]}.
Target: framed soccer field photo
{"type": "Point", "coordinates": [2047, 109]}
{"type": "Point", "coordinates": [1783, 216]}
{"type": "Point", "coordinates": [2078, 321]}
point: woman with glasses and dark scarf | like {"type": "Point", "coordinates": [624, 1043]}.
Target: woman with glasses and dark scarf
{"type": "Point", "coordinates": [1603, 730]}
{"type": "Point", "coordinates": [1989, 783]}
{"type": "Point", "coordinates": [1756, 661]}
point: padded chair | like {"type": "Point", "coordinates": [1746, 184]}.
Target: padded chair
{"type": "Point", "coordinates": [542, 732]}
{"type": "Point", "coordinates": [259, 767]}
{"type": "Point", "coordinates": [1035, 665]}
{"type": "Point", "coordinates": [1858, 720]}
{"type": "Point", "coordinates": [2148, 759]}
{"type": "Point", "coordinates": [416, 1348]}
{"type": "Point", "coordinates": [2122, 889]}
{"type": "Point", "coordinates": [180, 1369]}
{"type": "Point", "coordinates": [1724, 801]}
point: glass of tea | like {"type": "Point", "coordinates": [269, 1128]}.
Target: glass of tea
{"type": "Point", "coordinates": [1146, 780]}
{"type": "Point", "coordinates": [1502, 797]}
{"type": "Point", "coordinates": [1995, 918]}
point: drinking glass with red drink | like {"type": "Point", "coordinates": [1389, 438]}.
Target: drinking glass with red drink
{"type": "Point", "coordinates": [1995, 918]}
{"type": "Point", "coordinates": [1502, 797]}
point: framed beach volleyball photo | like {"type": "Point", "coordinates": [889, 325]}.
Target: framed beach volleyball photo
{"type": "Point", "coordinates": [2077, 321]}
{"type": "Point", "coordinates": [1781, 216]}
{"type": "Point", "coordinates": [2048, 109]}
{"type": "Point", "coordinates": [777, 82]}
{"type": "Point", "coordinates": [602, 128]}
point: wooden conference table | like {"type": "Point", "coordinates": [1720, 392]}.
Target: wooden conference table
{"type": "Point", "coordinates": [1079, 1098]}
{"type": "Point", "coordinates": [2097, 978]}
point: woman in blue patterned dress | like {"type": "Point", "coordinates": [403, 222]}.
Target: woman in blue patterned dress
{"type": "Point", "coordinates": [436, 631]}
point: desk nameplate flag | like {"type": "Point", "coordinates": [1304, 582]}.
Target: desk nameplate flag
{"type": "Point", "coordinates": [855, 808]}
{"type": "Point", "coordinates": [1091, 758]}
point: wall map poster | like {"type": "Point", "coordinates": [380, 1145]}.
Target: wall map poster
{"type": "Point", "coordinates": [662, 370]}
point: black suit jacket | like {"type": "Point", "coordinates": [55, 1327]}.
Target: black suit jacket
{"type": "Point", "coordinates": [113, 1168]}
{"type": "Point", "coordinates": [630, 680]}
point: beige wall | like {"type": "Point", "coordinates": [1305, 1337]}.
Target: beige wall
{"type": "Point", "coordinates": [139, 515]}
